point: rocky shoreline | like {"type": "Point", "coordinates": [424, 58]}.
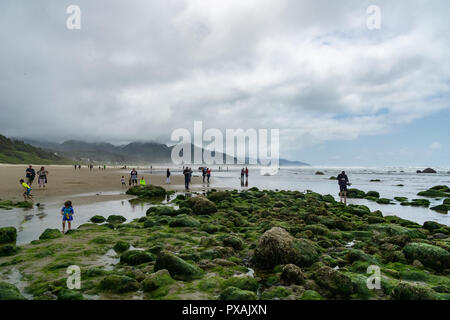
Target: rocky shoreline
{"type": "Point", "coordinates": [236, 245]}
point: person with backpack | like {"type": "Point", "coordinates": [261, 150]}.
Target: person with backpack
{"type": "Point", "coordinates": [67, 213]}
{"type": "Point", "coordinates": [343, 182]}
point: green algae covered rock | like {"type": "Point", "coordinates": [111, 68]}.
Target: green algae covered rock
{"type": "Point", "coordinates": [118, 284]}
{"type": "Point", "coordinates": [241, 282]}
{"type": "Point", "coordinates": [374, 194]}
{"type": "Point", "coordinates": [66, 294]}
{"type": "Point", "coordinates": [183, 220]}
{"type": "Point", "coordinates": [201, 205]}
{"type": "Point", "coordinates": [116, 219]}
{"type": "Point", "coordinates": [277, 246]}
{"type": "Point", "coordinates": [234, 242]}
{"type": "Point", "coordinates": [233, 293]}
{"type": "Point", "coordinates": [219, 196]}
{"type": "Point", "coordinates": [355, 193]}
{"type": "Point", "coordinates": [50, 234]}
{"type": "Point", "coordinates": [8, 235]}
{"type": "Point", "coordinates": [135, 257]}
{"type": "Point", "coordinates": [436, 192]}
{"type": "Point", "coordinates": [121, 246]}
{"type": "Point", "coordinates": [157, 280]}
{"type": "Point", "coordinates": [407, 291]}
{"type": "Point", "coordinates": [97, 219]}
{"type": "Point", "coordinates": [177, 267]}
{"type": "Point", "coordinates": [7, 250]}
{"type": "Point", "coordinates": [430, 256]}
{"type": "Point", "coordinates": [147, 192]}
{"type": "Point", "coordinates": [162, 211]}
{"type": "Point", "coordinates": [291, 274]}
{"type": "Point", "coordinates": [311, 295]}
{"type": "Point", "coordinates": [333, 281]}
{"type": "Point", "coordinates": [10, 292]}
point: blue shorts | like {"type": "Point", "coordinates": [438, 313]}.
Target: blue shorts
{"type": "Point", "coordinates": [70, 218]}
{"type": "Point", "coordinates": [27, 192]}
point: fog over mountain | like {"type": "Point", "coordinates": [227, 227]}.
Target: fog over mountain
{"type": "Point", "coordinates": [137, 70]}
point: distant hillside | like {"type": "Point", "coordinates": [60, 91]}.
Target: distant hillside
{"type": "Point", "coordinates": [15, 151]}
{"type": "Point", "coordinates": [132, 153]}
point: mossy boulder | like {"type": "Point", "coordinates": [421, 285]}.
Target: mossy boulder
{"type": "Point", "coordinates": [147, 192]}
{"type": "Point", "coordinates": [374, 194]}
{"type": "Point", "coordinates": [209, 228]}
{"type": "Point", "coordinates": [183, 220]}
{"type": "Point", "coordinates": [291, 274]}
{"type": "Point", "coordinates": [135, 257]}
{"type": "Point", "coordinates": [118, 284]}
{"type": "Point", "coordinates": [162, 211]}
{"type": "Point", "coordinates": [50, 234]}
{"type": "Point", "coordinates": [311, 295]}
{"type": "Point", "coordinates": [177, 267]}
{"type": "Point", "coordinates": [116, 219]}
{"type": "Point", "coordinates": [98, 219]}
{"type": "Point", "coordinates": [233, 293]}
{"type": "Point", "coordinates": [407, 291]}
{"type": "Point", "coordinates": [8, 235]}
{"type": "Point", "coordinates": [441, 208]}
{"type": "Point", "coordinates": [66, 294]}
{"type": "Point", "coordinates": [234, 242]}
{"type": "Point", "coordinates": [355, 193]}
{"type": "Point", "coordinates": [219, 196]}
{"type": "Point", "coordinates": [201, 205]}
{"type": "Point", "coordinates": [157, 280]}
{"type": "Point", "coordinates": [7, 250]}
{"type": "Point", "coordinates": [430, 256]}
{"type": "Point", "coordinates": [121, 246]}
{"type": "Point", "coordinates": [275, 293]}
{"type": "Point", "coordinates": [10, 292]}
{"type": "Point", "coordinates": [241, 282]}
{"type": "Point", "coordinates": [333, 281]}
{"type": "Point", "coordinates": [432, 225]}
{"type": "Point", "coordinates": [277, 246]}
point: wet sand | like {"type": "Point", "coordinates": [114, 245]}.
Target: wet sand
{"type": "Point", "coordinates": [84, 185]}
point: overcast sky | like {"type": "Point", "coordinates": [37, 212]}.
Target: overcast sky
{"type": "Point", "coordinates": [339, 92]}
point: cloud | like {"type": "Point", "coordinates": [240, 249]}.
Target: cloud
{"type": "Point", "coordinates": [435, 145]}
{"type": "Point", "coordinates": [139, 69]}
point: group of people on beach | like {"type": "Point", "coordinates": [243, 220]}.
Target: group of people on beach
{"type": "Point", "coordinates": [206, 174]}
{"type": "Point", "coordinates": [30, 175]}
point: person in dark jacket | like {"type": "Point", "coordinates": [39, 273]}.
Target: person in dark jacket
{"type": "Point", "coordinates": [343, 182]}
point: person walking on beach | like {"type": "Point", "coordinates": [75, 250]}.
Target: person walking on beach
{"type": "Point", "coordinates": [208, 174]}
{"type": "Point", "coordinates": [142, 182]}
{"type": "Point", "coordinates": [204, 174]}
{"type": "Point", "coordinates": [343, 182]}
{"type": "Point", "coordinates": [27, 193]}
{"type": "Point", "coordinates": [30, 175]}
{"type": "Point", "coordinates": [42, 177]}
{"type": "Point", "coordinates": [242, 174]}
{"type": "Point", "coordinates": [67, 213]}
{"type": "Point", "coordinates": [246, 173]}
{"type": "Point", "coordinates": [186, 178]}
{"type": "Point", "coordinates": [134, 175]}
{"type": "Point", "coordinates": [123, 181]}
{"type": "Point", "coordinates": [168, 176]}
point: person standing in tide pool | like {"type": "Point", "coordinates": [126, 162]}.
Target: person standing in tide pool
{"type": "Point", "coordinates": [343, 182]}
{"type": "Point", "coordinates": [27, 193]}
{"type": "Point", "coordinates": [67, 213]}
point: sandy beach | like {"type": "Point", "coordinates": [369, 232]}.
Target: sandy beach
{"type": "Point", "coordinates": [84, 185]}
